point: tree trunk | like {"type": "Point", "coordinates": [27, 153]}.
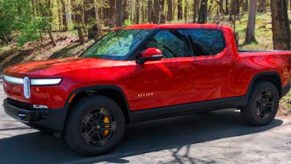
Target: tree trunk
{"type": "Point", "coordinates": [234, 10]}
{"type": "Point", "coordinates": [5, 39]}
{"type": "Point", "coordinates": [170, 11]}
{"type": "Point", "coordinates": [119, 13]}
{"type": "Point", "coordinates": [64, 15]}
{"type": "Point", "coordinates": [125, 10]}
{"type": "Point", "coordinates": [203, 12]}
{"type": "Point", "coordinates": [51, 38]}
{"type": "Point", "coordinates": [156, 12]}
{"type": "Point", "coordinates": [48, 28]}
{"type": "Point", "coordinates": [196, 10]}
{"type": "Point", "coordinates": [78, 21]}
{"type": "Point", "coordinates": [186, 11]}
{"type": "Point", "coordinates": [210, 4]}
{"type": "Point", "coordinates": [111, 13]}
{"type": "Point", "coordinates": [246, 5]}
{"type": "Point", "coordinates": [262, 6]}
{"type": "Point", "coordinates": [98, 32]}
{"type": "Point", "coordinates": [150, 8]}
{"type": "Point", "coordinates": [137, 8]}
{"type": "Point", "coordinates": [226, 7]}
{"type": "Point", "coordinates": [81, 35]}
{"type": "Point", "coordinates": [280, 25]}
{"type": "Point", "coordinates": [162, 18]}
{"type": "Point", "coordinates": [143, 11]}
{"type": "Point", "coordinates": [221, 10]}
{"type": "Point", "coordinates": [180, 10]}
{"type": "Point", "coordinates": [250, 33]}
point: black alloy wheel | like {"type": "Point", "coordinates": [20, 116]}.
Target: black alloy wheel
{"type": "Point", "coordinates": [98, 127]}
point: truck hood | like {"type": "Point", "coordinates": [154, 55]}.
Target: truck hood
{"type": "Point", "coordinates": [57, 66]}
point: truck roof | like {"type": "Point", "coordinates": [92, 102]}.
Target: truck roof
{"type": "Point", "coordinates": [175, 26]}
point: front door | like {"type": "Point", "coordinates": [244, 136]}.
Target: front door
{"type": "Point", "coordinates": [165, 82]}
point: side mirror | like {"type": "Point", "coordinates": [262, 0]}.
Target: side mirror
{"type": "Point", "coordinates": [150, 54]}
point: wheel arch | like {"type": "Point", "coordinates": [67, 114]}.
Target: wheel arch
{"type": "Point", "coordinates": [113, 92]}
{"type": "Point", "coordinates": [272, 77]}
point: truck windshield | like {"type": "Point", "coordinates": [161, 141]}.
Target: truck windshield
{"type": "Point", "coordinates": [117, 45]}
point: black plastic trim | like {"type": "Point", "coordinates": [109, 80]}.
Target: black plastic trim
{"type": "Point", "coordinates": [89, 89]}
{"type": "Point", "coordinates": [99, 87]}
{"type": "Point", "coordinates": [186, 109]}
{"type": "Point", "coordinates": [259, 75]}
{"type": "Point", "coordinates": [44, 119]}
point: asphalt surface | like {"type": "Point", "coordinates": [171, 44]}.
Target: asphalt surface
{"type": "Point", "coordinates": [217, 137]}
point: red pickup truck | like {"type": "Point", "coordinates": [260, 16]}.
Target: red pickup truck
{"type": "Point", "coordinates": [145, 72]}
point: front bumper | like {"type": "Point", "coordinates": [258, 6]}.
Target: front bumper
{"type": "Point", "coordinates": [45, 119]}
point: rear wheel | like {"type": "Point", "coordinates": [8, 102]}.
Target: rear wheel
{"type": "Point", "coordinates": [263, 104]}
{"type": "Point", "coordinates": [96, 126]}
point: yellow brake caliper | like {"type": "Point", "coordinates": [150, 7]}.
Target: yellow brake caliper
{"type": "Point", "coordinates": [106, 121]}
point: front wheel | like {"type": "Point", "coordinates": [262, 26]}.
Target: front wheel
{"type": "Point", "coordinates": [263, 104]}
{"type": "Point", "coordinates": [96, 126]}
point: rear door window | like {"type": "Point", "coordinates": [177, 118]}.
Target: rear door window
{"type": "Point", "coordinates": [171, 42]}
{"type": "Point", "coordinates": [206, 42]}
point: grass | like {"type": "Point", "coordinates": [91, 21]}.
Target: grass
{"type": "Point", "coordinates": [285, 105]}
{"type": "Point", "coordinates": [263, 33]}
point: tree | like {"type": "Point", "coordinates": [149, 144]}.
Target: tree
{"type": "Point", "coordinates": [220, 3]}
{"type": "Point", "coordinates": [280, 25]}
{"type": "Point", "coordinates": [157, 12]}
{"type": "Point", "coordinates": [170, 11]}
{"type": "Point", "coordinates": [203, 11]}
{"type": "Point", "coordinates": [150, 11]}
{"type": "Point", "coordinates": [226, 7]}
{"type": "Point", "coordinates": [186, 10]}
{"type": "Point", "coordinates": [125, 10]}
{"type": "Point", "coordinates": [23, 18]}
{"type": "Point", "coordinates": [262, 6]}
{"type": "Point", "coordinates": [64, 15]}
{"type": "Point", "coordinates": [233, 9]}
{"type": "Point", "coordinates": [196, 10]}
{"type": "Point", "coordinates": [180, 10]}
{"type": "Point", "coordinates": [246, 5]}
{"type": "Point", "coordinates": [77, 8]}
{"type": "Point", "coordinates": [250, 33]}
{"type": "Point", "coordinates": [137, 7]}
{"type": "Point", "coordinates": [97, 19]}
{"type": "Point", "coordinates": [119, 13]}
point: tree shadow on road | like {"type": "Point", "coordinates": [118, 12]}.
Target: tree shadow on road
{"type": "Point", "coordinates": [141, 138]}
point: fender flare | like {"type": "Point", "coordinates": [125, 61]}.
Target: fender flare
{"type": "Point", "coordinates": [259, 75]}
{"type": "Point", "coordinates": [92, 89]}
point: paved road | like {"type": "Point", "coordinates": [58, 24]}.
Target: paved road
{"type": "Point", "coordinates": [218, 137]}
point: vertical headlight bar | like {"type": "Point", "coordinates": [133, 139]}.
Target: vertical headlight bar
{"type": "Point", "coordinates": [26, 88]}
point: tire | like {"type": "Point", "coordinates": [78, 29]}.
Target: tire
{"type": "Point", "coordinates": [263, 104]}
{"type": "Point", "coordinates": [96, 141]}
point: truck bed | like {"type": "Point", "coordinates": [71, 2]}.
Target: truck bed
{"type": "Point", "coordinates": [256, 51]}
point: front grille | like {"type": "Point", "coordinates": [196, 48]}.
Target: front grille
{"type": "Point", "coordinates": [20, 104]}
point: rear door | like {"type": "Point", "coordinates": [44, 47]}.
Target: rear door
{"type": "Point", "coordinates": [211, 66]}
